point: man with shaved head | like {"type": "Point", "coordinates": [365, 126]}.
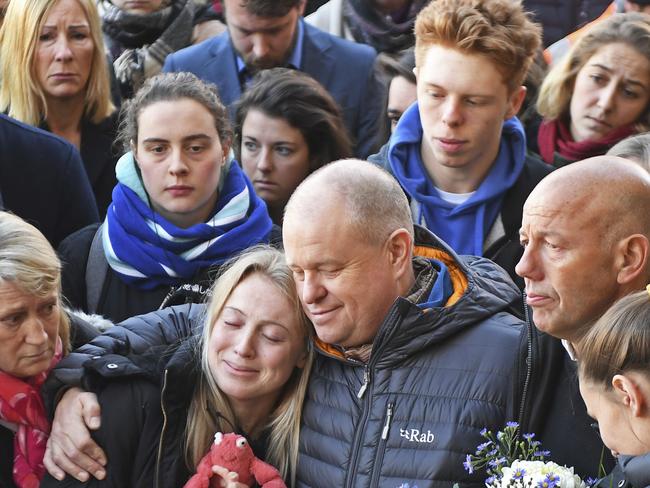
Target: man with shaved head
{"type": "Point", "coordinates": [585, 232]}
{"type": "Point", "coordinates": [417, 350]}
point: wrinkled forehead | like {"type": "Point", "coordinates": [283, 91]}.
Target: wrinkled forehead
{"type": "Point", "coordinates": [562, 213]}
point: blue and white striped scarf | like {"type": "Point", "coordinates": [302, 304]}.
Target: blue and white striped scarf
{"type": "Point", "coordinates": [147, 251]}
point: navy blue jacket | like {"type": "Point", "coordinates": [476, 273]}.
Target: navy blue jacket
{"type": "Point", "coordinates": [42, 180]}
{"type": "Point", "coordinates": [345, 69]}
{"type": "Point", "coordinates": [435, 378]}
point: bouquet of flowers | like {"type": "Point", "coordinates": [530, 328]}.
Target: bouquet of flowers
{"type": "Point", "coordinates": [511, 461]}
{"type": "Point", "coordinates": [522, 474]}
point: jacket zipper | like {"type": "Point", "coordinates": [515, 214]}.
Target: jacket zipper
{"type": "Point", "coordinates": [366, 382]}
{"type": "Point", "coordinates": [164, 426]}
{"type": "Point", "coordinates": [389, 418]}
{"type": "Point", "coordinates": [529, 367]}
{"type": "Point", "coordinates": [361, 430]}
{"type": "Point", "coordinates": [381, 447]}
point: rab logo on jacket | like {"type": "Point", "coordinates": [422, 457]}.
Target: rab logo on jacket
{"type": "Point", "coordinates": [414, 435]}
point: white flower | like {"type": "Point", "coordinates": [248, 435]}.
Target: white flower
{"type": "Point", "coordinates": [538, 474]}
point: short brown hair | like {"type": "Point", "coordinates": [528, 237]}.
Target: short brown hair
{"type": "Point", "coordinates": [500, 30]}
{"type": "Point", "coordinates": [264, 8]}
{"type": "Point", "coordinates": [169, 87]}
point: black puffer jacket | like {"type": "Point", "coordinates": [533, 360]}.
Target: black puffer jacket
{"type": "Point", "coordinates": [554, 409]}
{"type": "Point", "coordinates": [630, 472]}
{"type": "Point", "coordinates": [561, 17]}
{"type": "Point", "coordinates": [144, 393]}
{"type": "Point", "coordinates": [145, 401]}
{"type": "Point", "coordinates": [435, 378]}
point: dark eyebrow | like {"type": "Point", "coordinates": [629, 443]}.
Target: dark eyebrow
{"type": "Point", "coordinates": [191, 137]}
{"type": "Point", "coordinates": [628, 80]}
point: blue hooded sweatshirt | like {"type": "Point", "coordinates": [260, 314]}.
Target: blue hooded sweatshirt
{"type": "Point", "coordinates": [463, 226]}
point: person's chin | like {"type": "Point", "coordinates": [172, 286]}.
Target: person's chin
{"type": "Point", "coordinates": [34, 365]}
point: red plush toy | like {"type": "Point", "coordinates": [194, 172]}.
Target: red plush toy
{"type": "Point", "coordinates": [233, 452]}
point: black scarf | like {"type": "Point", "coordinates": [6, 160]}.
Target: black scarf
{"type": "Point", "coordinates": [370, 26]}
{"type": "Point", "coordinates": [139, 44]}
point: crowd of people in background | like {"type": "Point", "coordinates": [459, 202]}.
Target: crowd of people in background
{"type": "Point", "coordinates": [356, 232]}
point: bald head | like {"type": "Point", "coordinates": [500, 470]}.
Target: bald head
{"type": "Point", "coordinates": [607, 191]}
{"type": "Point", "coordinates": [348, 239]}
{"type": "Point", "coordinates": [585, 231]}
{"type": "Point", "coordinates": [371, 199]}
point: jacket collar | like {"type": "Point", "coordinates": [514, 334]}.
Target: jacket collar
{"type": "Point", "coordinates": [480, 290]}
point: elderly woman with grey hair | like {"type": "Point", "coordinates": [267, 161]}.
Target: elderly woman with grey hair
{"type": "Point", "coordinates": [35, 333]}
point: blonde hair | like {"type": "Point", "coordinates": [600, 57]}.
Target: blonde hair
{"type": "Point", "coordinates": [210, 410]}
{"type": "Point", "coordinates": [28, 261]}
{"type": "Point", "coordinates": [618, 342]}
{"type": "Point", "coordinates": [632, 29]}
{"type": "Point", "coordinates": [499, 30]}
{"type": "Point", "coordinates": [21, 96]}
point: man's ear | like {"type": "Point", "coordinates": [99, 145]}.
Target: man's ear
{"type": "Point", "coordinates": [632, 259]}
{"type": "Point", "coordinates": [400, 251]}
{"type": "Point", "coordinates": [515, 100]}
{"type": "Point", "coordinates": [629, 394]}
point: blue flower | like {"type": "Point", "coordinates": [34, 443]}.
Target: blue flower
{"type": "Point", "coordinates": [494, 463]}
{"type": "Point", "coordinates": [490, 480]}
{"type": "Point", "coordinates": [591, 481]}
{"type": "Point", "coordinates": [518, 474]}
{"type": "Point", "coordinates": [512, 424]}
{"type": "Point", "coordinates": [550, 481]}
{"type": "Point", "coordinates": [467, 464]}
{"type": "Point", "coordinates": [542, 453]}
{"type": "Point", "coordinates": [482, 447]}
{"type": "Point", "coordinates": [484, 431]}
{"type": "Point", "coordinates": [529, 437]}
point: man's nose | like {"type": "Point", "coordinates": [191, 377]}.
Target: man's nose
{"type": "Point", "coordinates": [261, 46]}
{"type": "Point", "coordinates": [528, 267]}
{"type": "Point", "coordinates": [312, 289]}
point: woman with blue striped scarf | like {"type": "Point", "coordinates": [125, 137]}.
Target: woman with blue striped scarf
{"type": "Point", "coordinates": [181, 206]}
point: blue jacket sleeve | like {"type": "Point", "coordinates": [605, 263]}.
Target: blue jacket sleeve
{"type": "Point", "coordinates": [370, 113]}
{"type": "Point", "coordinates": [133, 336]}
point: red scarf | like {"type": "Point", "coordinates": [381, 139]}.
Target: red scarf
{"type": "Point", "coordinates": [554, 136]}
{"type": "Point", "coordinates": [21, 403]}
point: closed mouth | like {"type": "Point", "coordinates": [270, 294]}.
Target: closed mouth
{"type": "Point", "coordinates": [241, 369]}
{"type": "Point", "coordinates": [599, 121]}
